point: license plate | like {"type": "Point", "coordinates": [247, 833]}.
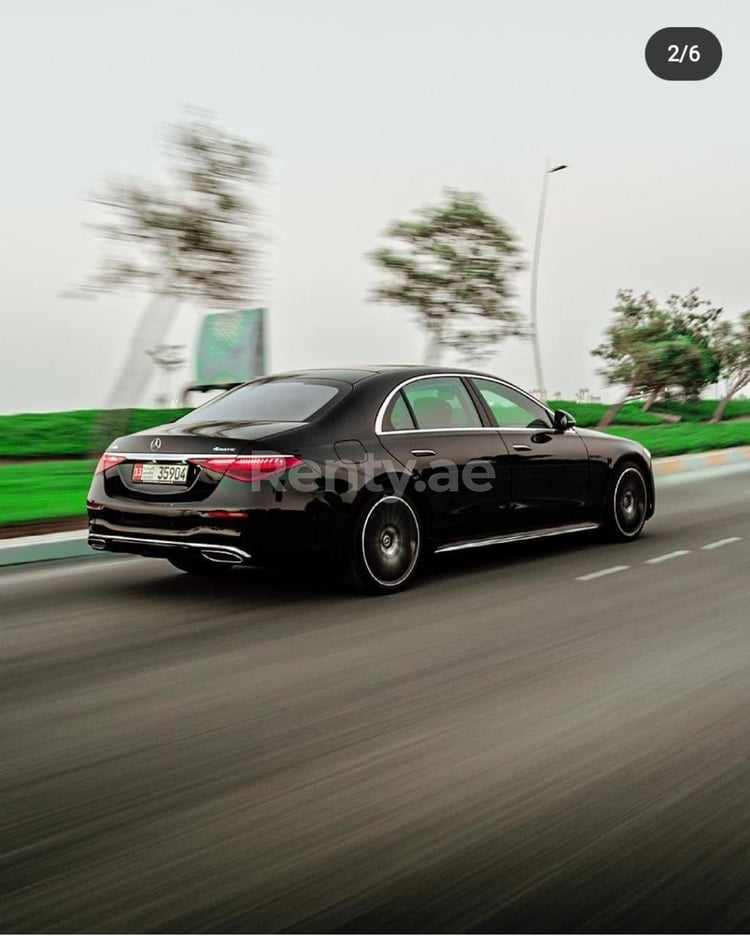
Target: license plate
{"type": "Point", "coordinates": [160, 474]}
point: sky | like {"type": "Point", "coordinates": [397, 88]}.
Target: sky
{"type": "Point", "coordinates": [367, 110]}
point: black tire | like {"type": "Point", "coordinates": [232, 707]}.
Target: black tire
{"type": "Point", "coordinates": [386, 545]}
{"type": "Point", "coordinates": [627, 503]}
{"type": "Point", "coordinates": [198, 565]}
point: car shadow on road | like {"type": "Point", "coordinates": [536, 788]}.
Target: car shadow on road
{"type": "Point", "coordinates": [272, 583]}
{"type": "Point", "coordinates": [318, 582]}
{"type": "Point", "coordinates": [521, 553]}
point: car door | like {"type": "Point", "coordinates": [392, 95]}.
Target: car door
{"type": "Point", "coordinates": [459, 462]}
{"type": "Point", "coordinates": [549, 468]}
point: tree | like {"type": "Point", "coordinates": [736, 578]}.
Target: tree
{"type": "Point", "coordinates": [732, 344]}
{"type": "Point", "coordinates": [630, 350]}
{"type": "Point", "coordinates": [453, 266]}
{"type": "Point", "coordinates": [191, 239]}
{"type": "Point", "coordinates": [652, 349]}
{"type": "Point", "coordinates": [693, 329]}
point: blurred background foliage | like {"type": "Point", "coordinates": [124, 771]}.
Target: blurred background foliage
{"type": "Point", "coordinates": [50, 435]}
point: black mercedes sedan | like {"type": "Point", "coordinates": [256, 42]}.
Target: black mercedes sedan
{"type": "Point", "coordinates": [369, 470]}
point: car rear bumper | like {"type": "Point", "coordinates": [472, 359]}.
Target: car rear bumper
{"type": "Point", "coordinates": [164, 548]}
{"type": "Point", "coordinates": [254, 536]}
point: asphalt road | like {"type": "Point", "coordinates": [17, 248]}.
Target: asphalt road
{"type": "Point", "coordinates": [512, 744]}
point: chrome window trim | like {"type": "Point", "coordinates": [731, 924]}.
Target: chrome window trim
{"type": "Point", "coordinates": [390, 432]}
{"type": "Point", "coordinates": [385, 404]}
{"type": "Point", "coordinates": [504, 430]}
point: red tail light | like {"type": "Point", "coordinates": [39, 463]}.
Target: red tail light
{"type": "Point", "coordinates": [248, 467]}
{"type": "Point", "coordinates": [108, 461]}
{"type": "Point", "coordinates": [226, 514]}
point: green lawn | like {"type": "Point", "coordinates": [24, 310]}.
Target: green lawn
{"type": "Point", "coordinates": [703, 410]}
{"type": "Point", "coordinates": [44, 491]}
{"type": "Point", "coordinates": [687, 437]}
{"type": "Point", "coordinates": [589, 414]}
{"type": "Point", "coordinates": [631, 414]}
{"type": "Point", "coordinates": [57, 489]}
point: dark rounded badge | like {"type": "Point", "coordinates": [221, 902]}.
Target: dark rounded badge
{"type": "Point", "coordinates": [683, 53]}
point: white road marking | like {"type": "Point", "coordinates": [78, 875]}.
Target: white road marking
{"type": "Point", "coordinates": [601, 572]}
{"type": "Point", "coordinates": [672, 555]}
{"type": "Point", "coordinates": [722, 542]}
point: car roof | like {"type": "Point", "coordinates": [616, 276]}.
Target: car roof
{"type": "Point", "coordinates": [354, 375]}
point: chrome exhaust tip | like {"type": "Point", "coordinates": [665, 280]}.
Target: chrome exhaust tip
{"type": "Point", "coordinates": [96, 542]}
{"type": "Point", "coordinates": [220, 556]}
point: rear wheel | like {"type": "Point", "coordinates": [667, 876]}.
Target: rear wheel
{"type": "Point", "coordinates": [386, 545]}
{"type": "Point", "coordinates": [627, 503]}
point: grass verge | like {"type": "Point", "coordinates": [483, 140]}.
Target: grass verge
{"type": "Point", "coordinates": [703, 410]}
{"type": "Point", "coordinates": [44, 491]}
{"type": "Point", "coordinates": [684, 438]}
{"type": "Point", "coordinates": [57, 489]}
{"type": "Point", "coordinates": [588, 415]}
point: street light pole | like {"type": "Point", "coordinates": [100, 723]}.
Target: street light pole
{"type": "Point", "coordinates": [534, 279]}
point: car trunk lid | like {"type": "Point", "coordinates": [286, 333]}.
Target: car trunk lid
{"type": "Point", "coordinates": [178, 463]}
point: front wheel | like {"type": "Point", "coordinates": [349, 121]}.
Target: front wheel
{"type": "Point", "coordinates": [627, 503]}
{"type": "Point", "coordinates": [386, 545]}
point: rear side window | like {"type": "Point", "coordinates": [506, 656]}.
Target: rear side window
{"type": "Point", "coordinates": [397, 416]}
{"type": "Point", "coordinates": [270, 401]}
{"type": "Point", "coordinates": [442, 403]}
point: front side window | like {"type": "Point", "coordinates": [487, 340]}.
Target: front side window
{"type": "Point", "coordinates": [510, 408]}
{"type": "Point", "coordinates": [269, 401]}
{"type": "Point", "coordinates": [441, 403]}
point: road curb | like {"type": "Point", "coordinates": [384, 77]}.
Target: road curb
{"type": "Point", "coordinates": [676, 464]}
{"type": "Point", "coordinates": [73, 545]}
{"type": "Point", "coordinates": [45, 547]}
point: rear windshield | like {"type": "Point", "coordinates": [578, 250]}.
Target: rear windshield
{"type": "Point", "coordinates": [271, 401]}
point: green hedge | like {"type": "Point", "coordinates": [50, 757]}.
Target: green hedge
{"type": "Point", "coordinates": [82, 433]}
{"type": "Point", "coordinates": [590, 414]}
{"type": "Point", "coordinates": [77, 433]}
{"type": "Point", "coordinates": [687, 437]}
{"type": "Point", "coordinates": [631, 414]}
{"type": "Point", "coordinates": [703, 410]}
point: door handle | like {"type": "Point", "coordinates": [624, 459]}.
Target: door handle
{"type": "Point", "coordinates": [522, 448]}
{"type": "Point", "coordinates": [419, 453]}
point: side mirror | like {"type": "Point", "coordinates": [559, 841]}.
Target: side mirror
{"type": "Point", "coordinates": [562, 420]}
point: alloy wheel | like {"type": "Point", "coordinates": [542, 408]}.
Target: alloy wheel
{"type": "Point", "coordinates": [390, 541]}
